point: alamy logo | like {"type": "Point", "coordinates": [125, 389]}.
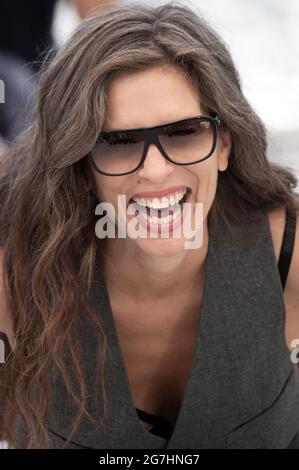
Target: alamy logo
{"type": "Point", "coordinates": [2, 92]}
{"type": "Point", "coordinates": [175, 221]}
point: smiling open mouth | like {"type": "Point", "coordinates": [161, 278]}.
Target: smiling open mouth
{"type": "Point", "coordinates": [161, 211]}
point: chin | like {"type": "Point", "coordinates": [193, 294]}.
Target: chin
{"type": "Point", "coordinates": [162, 247]}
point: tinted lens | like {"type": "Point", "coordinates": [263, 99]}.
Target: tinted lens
{"type": "Point", "coordinates": [118, 152]}
{"type": "Point", "coordinates": [188, 141]}
{"type": "Point", "coordinates": [184, 142]}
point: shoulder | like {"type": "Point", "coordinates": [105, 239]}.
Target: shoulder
{"type": "Point", "coordinates": [6, 325]}
{"type": "Point", "coordinates": [277, 219]}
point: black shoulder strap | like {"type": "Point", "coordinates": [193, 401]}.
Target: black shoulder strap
{"type": "Point", "coordinates": [287, 246]}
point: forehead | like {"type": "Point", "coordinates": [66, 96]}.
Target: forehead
{"type": "Point", "coordinates": [151, 97]}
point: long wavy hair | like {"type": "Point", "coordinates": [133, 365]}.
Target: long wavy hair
{"type": "Point", "coordinates": [48, 193]}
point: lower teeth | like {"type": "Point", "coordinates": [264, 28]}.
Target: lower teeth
{"type": "Point", "coordinates": [160, 220]}
{"type": "Point", "coordinates": [176, 209]}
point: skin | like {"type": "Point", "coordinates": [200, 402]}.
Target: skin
{"type": "Point", "coordinates": [89, 7]}
{"type": "Point", "coordinates": [147, 268]}
{"type": "Point", "coordinates": [291, 291]}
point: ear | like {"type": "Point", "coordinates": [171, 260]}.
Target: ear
{"type": "Point", "coordinates": [224, 146]}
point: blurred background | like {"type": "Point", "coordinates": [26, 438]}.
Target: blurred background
{"type": "Point", "coordinates": [263, 37]}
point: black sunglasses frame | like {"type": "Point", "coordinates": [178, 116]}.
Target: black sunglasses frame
{"type": "Point", "coordinates": [150, 136]}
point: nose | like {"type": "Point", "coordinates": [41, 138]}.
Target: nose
{"type": "Point", "coordinates": [155, 165]}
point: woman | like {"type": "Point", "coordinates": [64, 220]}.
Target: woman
{"type": "Point", "coordinates": [184, 348]}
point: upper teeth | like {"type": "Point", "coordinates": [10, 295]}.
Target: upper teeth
{"type": "Point", "coordinates": [162, 203]}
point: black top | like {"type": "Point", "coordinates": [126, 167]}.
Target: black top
{"type": "Point", "coordinates": [163, 428]}
{"type": "Point", "coordinates": [287, 247]}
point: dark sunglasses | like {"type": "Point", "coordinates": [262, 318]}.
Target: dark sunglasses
{"type": "Point", "coordinates": [183, 142]}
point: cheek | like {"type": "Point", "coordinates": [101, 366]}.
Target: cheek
{"type": "Point", "coordinates": [206, 175]}
{"type": "Point", "coordinates": [108, 188]}
{"type": "Point", "coordinates": [104, 187]}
